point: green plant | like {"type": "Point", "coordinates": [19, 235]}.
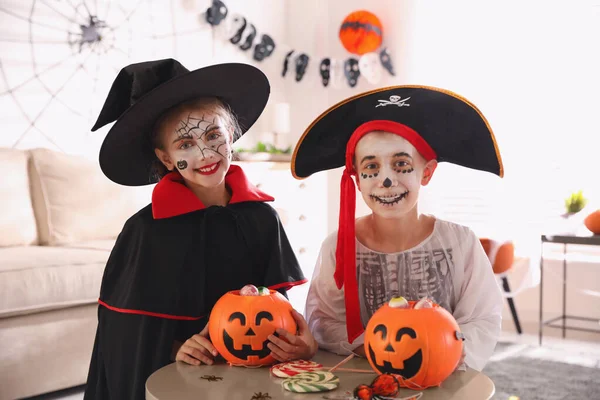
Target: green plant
{"type": "Point", "coordinates": [575, 202]}
{"type": "Point", "coordinates": [261, 147]}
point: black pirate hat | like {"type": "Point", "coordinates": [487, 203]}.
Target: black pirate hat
{"type": "Point", "coordinates": [440, 124]}
{"type": "Point", "coordinates": [453, 126]}
{"type": "Point", "coordinates": [142, 92]}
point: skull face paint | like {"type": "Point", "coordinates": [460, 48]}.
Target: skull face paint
{"type": "Point", "coordinates": [200, 141]}
{"type": "Point", "coordinates": [389, 170]}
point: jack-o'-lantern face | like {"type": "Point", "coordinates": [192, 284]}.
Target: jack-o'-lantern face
{"type": "Point", "coordinates": [246, 333]}
{"type": "Point", "coordinates": [239, 326]}
{"type": "Point", "coordinates": [420, 345]}
{"type": "Point", "coordinates": [405, 357]}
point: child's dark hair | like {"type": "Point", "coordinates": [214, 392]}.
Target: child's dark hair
{"type": "Point", "coordinates": [157, 169]}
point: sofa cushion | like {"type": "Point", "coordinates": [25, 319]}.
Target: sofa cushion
{"type": "Point", "coordinates": [39, 278]}
{"type": "Point", "coordinates": [17, 221]}
{"type": "Point", "coordinates": [74, 202]}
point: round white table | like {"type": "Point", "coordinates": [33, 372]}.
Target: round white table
{"type": "Point", "coordinates": [179, 381]}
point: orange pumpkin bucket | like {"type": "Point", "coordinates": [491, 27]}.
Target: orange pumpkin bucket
{"type": "Point", "coordinates": [239, 326]}
{"type": "Point", "coordinates": [422, 347]}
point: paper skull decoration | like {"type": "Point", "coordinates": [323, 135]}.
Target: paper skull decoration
{"type": "Point", "coordinates": [361, 32]}
{"type": "Point", "coordinates": [265, 48]}
{"type": "Point", "coordinates": [234, 28]}
{"type": "Point", "coordinates": [239, 326]}
{"type": "Point", "coordinates": [352, 72]}
{"type": "Point", "coordinates": [248, 38]}
{"type": "Point", "coordinates": [216, 13]}
{"type": "Point", "coordinates": [324, 71]}
{"type": "Point", "coordinates": [422, 347]}
{"type": "Point", "coordinates": [301, 65]}
{"type": "Point", "coordinates": [386, 61]}
{"type": "Point", "coordinates": [370, 67]}
{"type": "Point", "coordinates": [286, 62]}
{"type": "Point", "coordinates": [337, 73]}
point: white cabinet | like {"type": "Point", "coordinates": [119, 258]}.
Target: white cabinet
{"type": "Point", "coordinates": [302, 207]}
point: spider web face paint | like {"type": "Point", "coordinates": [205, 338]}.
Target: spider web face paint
{"type": "Point", "coordinates": [389, 169]}
{"type": "Point", "coordinates": [200, 144]}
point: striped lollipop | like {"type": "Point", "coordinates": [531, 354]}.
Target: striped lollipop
{"type": "Point", "coordinates": [292, 368]}
{"type": "Point", "coordinates": [308, 382]}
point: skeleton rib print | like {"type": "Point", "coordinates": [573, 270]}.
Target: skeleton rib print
{"type": "Point", "coordinates": [411, 274]}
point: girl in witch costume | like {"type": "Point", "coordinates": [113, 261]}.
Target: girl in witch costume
{"type": "Point", "coordinates": [391, 140]}
{"type": "Point", "coordinates": [207, 231]}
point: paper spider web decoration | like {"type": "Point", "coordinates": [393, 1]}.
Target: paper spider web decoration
{"type": "Point", "coordinates": [58, 59]}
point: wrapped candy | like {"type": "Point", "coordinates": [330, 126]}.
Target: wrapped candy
{"type": "Point", "coordinates": [425, 302]}
{"type": "Point", "coordinates": [398, 302]}
{"type": "Point", "coordinates": [249, 290]}
{"type": "Point", "coordinates": [263, 291]}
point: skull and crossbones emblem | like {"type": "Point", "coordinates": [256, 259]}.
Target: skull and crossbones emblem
{"type": "Point", "coordinates": [394, 101]}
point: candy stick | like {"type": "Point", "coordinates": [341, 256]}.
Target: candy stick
{"type": "Point", "coordinates": [344, 361]}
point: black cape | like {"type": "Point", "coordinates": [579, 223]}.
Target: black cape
{"type": "Point", "coordinates": [163, 277]}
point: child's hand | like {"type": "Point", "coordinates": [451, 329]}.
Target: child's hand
{"type": "Point", "coordinates": [197, 349]}
{"type": "Point", "coordinates": [300, 346]}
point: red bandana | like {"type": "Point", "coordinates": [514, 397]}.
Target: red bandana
{"type": "Point", "coordinates": [171, 197]}
{"type": "Point", "coordinates": [345, 255]}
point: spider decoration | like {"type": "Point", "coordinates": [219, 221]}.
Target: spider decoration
{"type": "Point", "coordinates": [58, 58]}
{"type": "Point", "coordinates": [261, 396]}
{"type": "Point", "coordinates": [212, 378]}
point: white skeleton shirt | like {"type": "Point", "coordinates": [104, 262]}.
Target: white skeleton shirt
{"type": "Point", "coordinates": [449, 266]}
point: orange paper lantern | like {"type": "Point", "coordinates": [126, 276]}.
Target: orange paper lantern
{"type": "Point", "coordinates": [592, 222]}
{"type": "Point", "coordinates": [239, 326]}
{"type": "Point", "coordinates": [361, 32]}
{"type": "Point", "coordinates": [422, 347]}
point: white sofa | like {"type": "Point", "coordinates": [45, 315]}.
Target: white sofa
{"type": "Point", "coordinates": [59, 218]}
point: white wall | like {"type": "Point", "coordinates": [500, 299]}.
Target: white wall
{"type": "Point", "coordinates": [157, 29]}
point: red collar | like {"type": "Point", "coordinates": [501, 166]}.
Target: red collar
{"type": "Point", "coordinates": [171, 197]}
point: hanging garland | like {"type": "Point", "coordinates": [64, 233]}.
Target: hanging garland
{"type": "Point", "coordinates": [361, 33]}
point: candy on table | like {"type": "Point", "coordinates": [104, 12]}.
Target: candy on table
{"type": "Point", "coordinates": [249, 290]}
{"type": "Point", "coordinates": [292, 368]}
{"type": "Point", "coordinates": [308, 382]}
{"type": "Point", "coordinates": [398, 302]}
{"type": "Point", "coordinates": [263, 291]}
{"type": "Point", "coordinates": [423, 303]}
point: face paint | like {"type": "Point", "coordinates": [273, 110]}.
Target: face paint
{"type": "Point", "coordinates": [181, 164]}
{"type": "Point", "coordinates": [390, 171]}
{"type": "Point", "coordinates": [200, 141]}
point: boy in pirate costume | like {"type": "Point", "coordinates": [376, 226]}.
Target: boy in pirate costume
{"type": "Point", "coordinates": [207, 231]}
{"type": "Point", "coordinates": [390, 140]}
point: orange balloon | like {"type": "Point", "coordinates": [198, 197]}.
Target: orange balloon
{"type": "Point", "coordinates": [505, 254]}
{"type": "Point", "coordinates": [361, 32]}
{"type": "Point", "coordinates": [239, 326]}
{"type": "Point", "coordinates": [422, 347]}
